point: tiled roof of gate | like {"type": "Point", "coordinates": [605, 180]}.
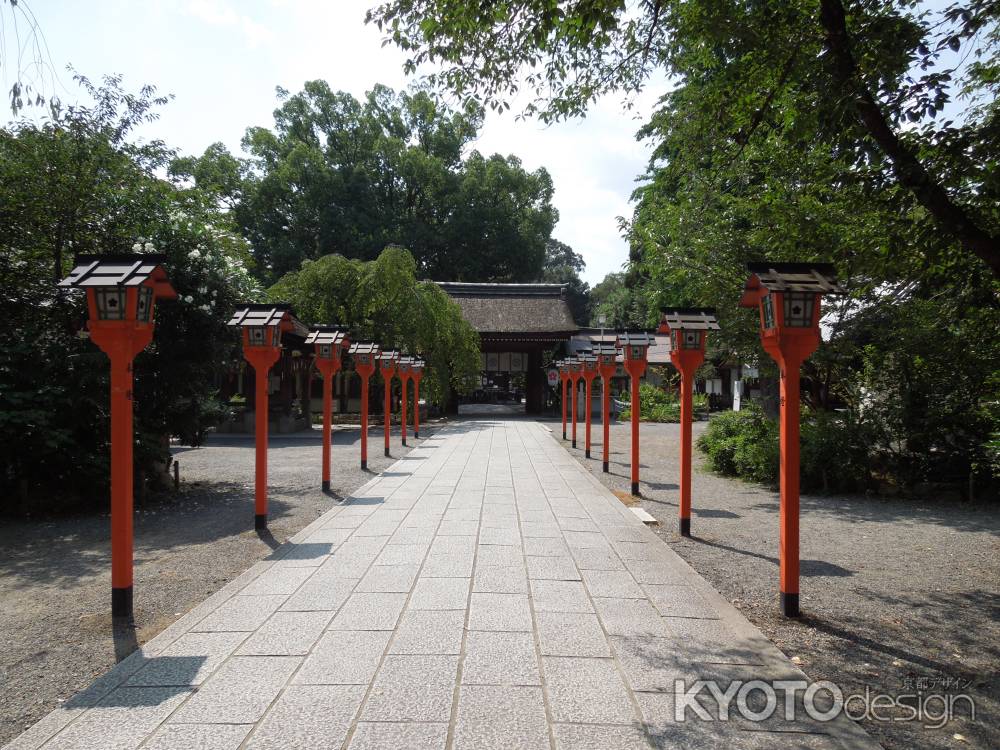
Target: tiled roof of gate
{"type": "Point", "coordinates": [512, 308]}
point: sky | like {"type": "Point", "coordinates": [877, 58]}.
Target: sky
{"type": "Point", "coordinates": [222, 59]}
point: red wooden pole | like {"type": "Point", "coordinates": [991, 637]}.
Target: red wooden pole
{"type": "Point", "coordinates": [687, 383]}
{"type": "Point", "coordinates": [634, 413]}
{"type": "Point", "coordinates": [575, 383]}
{"type": "Point", "coordinates": [789, 535]}
{"type": "Point", "coordinates": [327, 426]}
{"type": "Point", "coordinates": [121, 483]}
{"type": "Point", "coordinates": [402, 422]}
{"type": "Point", "coordinates": [589, 380]}
{"type": "Point", "coordinates": [261, 358]}
{"type": "Point", "coordinates": [260, 441]}
{"type": "Point", "coordinates": [564, 380]}
{"type": "Point", "coordinates": [364, 417]}
{"type": "Point", "coordinates": [605, 420]}
{"type": "Point", "coordinates": [416, 406]}
{"type": "Point", "coordinates": [387, 377]}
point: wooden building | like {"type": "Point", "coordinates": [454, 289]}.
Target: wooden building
{"type": "Point", "coordinates": [517, 325]}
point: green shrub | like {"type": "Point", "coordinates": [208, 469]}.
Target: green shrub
{"type": "Point", "coordinates": [658, 405]}
{"type": "Point", "coordinates": [745, 444]}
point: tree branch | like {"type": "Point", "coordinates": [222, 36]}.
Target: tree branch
{"type": "Point", "coordinates": [949, 215]}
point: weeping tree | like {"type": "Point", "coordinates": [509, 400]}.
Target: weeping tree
{"type": "Point", "coordinates": [381, 300]}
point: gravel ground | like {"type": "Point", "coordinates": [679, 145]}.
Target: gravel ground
{"type": "Point", "coordinates": [56, 633]}
{"type": "Point", "coordinates": [893, 591]}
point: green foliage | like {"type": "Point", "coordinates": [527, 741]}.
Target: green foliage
{"type": "Point", "coordinates": [743, 444]}
{"type": "Point", "coordinates": [619, 303]}
{"type": "Point", "coordinates": [78, 184]}
{"type": "Point", "coordinates": [382, 300]}
{"type": "Point", "coordinates": [563, 266]}
{"type": "Point", "coordinates": [832, 454]}
{"type": "Point", "coordinates": [659, 405]}
{"type": "Point", "coordinates": [336, 175]}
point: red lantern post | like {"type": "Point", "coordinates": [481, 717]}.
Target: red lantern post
{"type": "Point", "coordinates": [121, 295]}
{"type": "Point", "coordinates": [364, 356]}
{"type": "Point", "coordinates": [417, 373]}
{"type": "Point", "coordinates": [575, 373]}
{"type": "Point", "coordinates": [262, 327]}
{"type": "Point", "coordinates": [607, 355]}
{"type": "Point", "coordinates": [687, 329]}
{"type": "Point", "coordinates": [788, 296]}
{"type": "Point", "coordinates": [589, 364]}
{"type": "Point", "coordinates": [387, 363]}
{"type": "Point", "coordinates": [405, 373]}
{"type": "Point", "coordinates": [635, 347]}
{"type": "Point", "coordinates": [564, 377]}
{"type": "Point", "coordinates": [328, 342]}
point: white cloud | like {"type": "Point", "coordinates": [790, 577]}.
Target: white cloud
{"type": "Point", "coordinates": [221, 13]}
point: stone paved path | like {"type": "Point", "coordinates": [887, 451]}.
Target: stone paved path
{"type": "Point", "coordinates": [484, 592]}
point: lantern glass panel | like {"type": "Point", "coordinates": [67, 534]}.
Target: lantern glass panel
{"type": "Point", "coordinates": [257, 335]}
{"type": "Point", "coordinates": [691, 340]}
{"type": "Point", "coordinates": [144, 308]}
{"type": "Point", "coordinates": [110, 303]}
{"type": "Point", "coordinates": [275, 335]}
{"type": "Point", "coordinates": [636, 352]}
{"type": "Point", "coordinates": [325, 351]}
{"type": "Point", "coordinates": [767, 308]}
{"type": "Point", "coordinates": [799, 309]}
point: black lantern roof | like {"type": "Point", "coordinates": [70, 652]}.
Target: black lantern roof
{"type": "Point", "coordinates": [602, 348]}
{"type": "Point", "coordinates": [271, 314]}
{"type": "Point", "coordinates": [634, 338]}
{"type": "Point", "coordinates": [690, 318]}
{"type": "Point", "coordinates": [796, 277]}
{"type": "Point", "coordinates": [322, 335]}
{"type": "Point", "coordinates": [364, 348]}
{"type": "Point", "coordinates": [418, 363]}
{"type": "Point", "coordinates": [112, 270]}
{"type": "Point", "coordinates": [388, 356]}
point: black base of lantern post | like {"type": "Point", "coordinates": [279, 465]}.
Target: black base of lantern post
{"type": "Point", "coordinates": [635, 488]}
{"type": "Point", "coordinates": [260, 521]}
{"type": "Point", "coordinates": [574, 443]}
{"type": "Point", "coordinates": [121, 603]}
{"type": "Point", "coordinates": [564, 434]}
{"type": "Point", "coordinates": [387, 451]}
{"type": "Point", "coordinates": [604, 466]}
{"type": "Point", "coordinates": [364, 466]}
{"type": "Point", "coordinates": [789, 604]}
{"type": "Point", "coordinates": [404, 441]}
{"type": "Point", "coordinates": [416, 435]}
{"type": "Point", "coordinates": [326, 485]}
{"type": "Point", "coordinates": [587, 453]}
{"type": "Point", "coordinates": [685, 527]}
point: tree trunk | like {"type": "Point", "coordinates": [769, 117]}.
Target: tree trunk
{"type": "Point", "coordinates": [949, 215]}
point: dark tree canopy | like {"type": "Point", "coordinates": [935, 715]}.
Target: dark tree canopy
{"type": "Point", "coordinates": [336, 175]}
{"type": "Point", "coordinates": [868, 67]}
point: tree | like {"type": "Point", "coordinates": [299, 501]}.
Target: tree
{"type": "Point", "coordinates": [336, 175]}
{"type": "Point", "coordinates": [619, 303]}
{"type": "Point", "coordinates": [381, 300]}
{"type": "Point", "coordinates": [741, 64]}
{"type": "Point", "coordinates": [77, 184]}
{"type": "Point", "coordinates": [563, 266]}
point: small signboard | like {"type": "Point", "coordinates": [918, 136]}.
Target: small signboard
{"type": "Point", "coordinates": [737, 393]}
{"type": "Point", "coordinates": [553, 377]}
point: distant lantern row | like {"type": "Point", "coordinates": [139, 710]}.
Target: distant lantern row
{"type": "Point", "coordinates": [122, 291]}
{"type": "Point", "coordinates": [262, 326]}
{"type": "Point", "coordinates": [788, 297]}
